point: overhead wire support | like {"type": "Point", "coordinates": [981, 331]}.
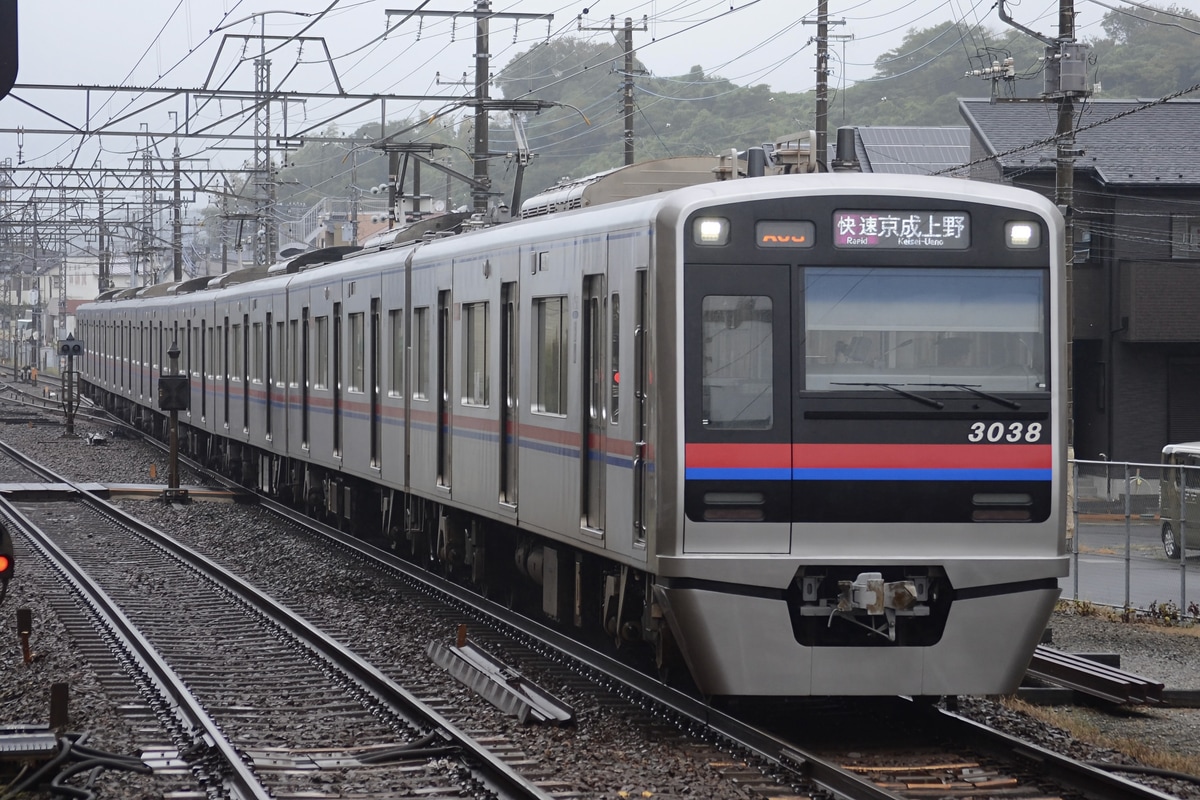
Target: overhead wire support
{"type": "Point", "coordinates": [1065, 80]}
{"type": "Point", "coordinates": [627, 83]}
{"type": "Point", "coordinates": [482, 14]}
{"type": "Point", "coordinates": [823, 22]}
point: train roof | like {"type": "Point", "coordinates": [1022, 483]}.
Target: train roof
{"type": "Point", "coordinates": [623, 183]}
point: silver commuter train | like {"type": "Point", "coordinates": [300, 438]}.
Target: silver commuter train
{"type": "Point", "coordinates": [804, 434]}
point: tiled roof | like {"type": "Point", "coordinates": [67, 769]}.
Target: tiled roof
{"type": "Point", "coordinates": [912, 151]}
{"type": "Point", "coordinates": [1152, 146]}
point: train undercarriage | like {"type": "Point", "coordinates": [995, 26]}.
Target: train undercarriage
{"type": "Point", "coordinates": [593, 598]}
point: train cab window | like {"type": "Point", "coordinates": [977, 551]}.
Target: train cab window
{"type": "Point", "coordinates": [358, 353]}
{"type": "Point", "coordinates": [550, 356]}
{"type": "Point", "coordinates": [475, 354]}
{"type": "Point", "coordinates": [321, 348]}
{"type": "Point", "coordinates": [420, 334]}
{"type": "Point", "coordinates": [396, 372]}
{"type": "Point", "coordinates": [869, 328]}
{"type": "Point", "coordinates": [737, 389]}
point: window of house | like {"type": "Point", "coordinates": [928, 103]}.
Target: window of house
{"type": "Point", "coordinates": [1185, 236]}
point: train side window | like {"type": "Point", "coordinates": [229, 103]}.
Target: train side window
{"type": "Point", "coordinates": [550, 356]}
{"type": "Point", "coordinates": [475, 350]}
{"type": "Point", "coordinates": [321, 345]}
{"type": "Point", "coordinates": [420, 334]}
{"type": "Point", "coordinates": [737, 389]}
{"type": "Point", "coordinates": [396, 375]}
{"type": "Point", "coordinates": [358, 352]}
{"type": "Point", "coordinates": [280, 354]}
{"type": "Point", "coordinates": [256, 354]}
{"type": "Point", "coordinates": [235, 347]}
{"type": "Point", "coordinates": [293, 354]}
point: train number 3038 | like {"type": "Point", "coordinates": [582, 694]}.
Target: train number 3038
{"type": "Point", "coordinates": [999, 432]}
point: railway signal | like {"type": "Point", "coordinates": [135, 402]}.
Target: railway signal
{"type": "Point", "coordinates": [6, 562]}
{"type": "Point", "coordinates": [70, 348]}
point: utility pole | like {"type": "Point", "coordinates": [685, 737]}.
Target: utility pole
{"type": "Point", "coordinates": [823, 22]}
{"type": "Point", "coordinates": [482, 82]}
{"type": "Point", "coordinates": [627, 83]}
{"type": "Point", "coordinates": [105, 265]}
{"type": "Point", "coordinates": [483, 14]}
{"type": "Point", "coordinates": [1065, 80]}
{"type": "Point", "coordinates": [265, 238]}
{"type": "Point", "coordinates": [177, 222]}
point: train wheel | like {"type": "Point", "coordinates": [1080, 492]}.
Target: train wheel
{"type": "Point", "coordinates": [1170, 541]}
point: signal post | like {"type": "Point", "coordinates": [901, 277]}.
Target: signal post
{"type": "Point", "coordinates": [174, 395]}
{"type": "Point", "coordinates": [70, 347]}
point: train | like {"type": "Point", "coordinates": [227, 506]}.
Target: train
{"type": "Point", "coordinates": [786, 435]}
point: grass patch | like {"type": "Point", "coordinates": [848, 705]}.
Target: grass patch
{"type": "Point", "coordinates": [1147, 754]}
{"type": "Point", "coordinates": [1164, 616]}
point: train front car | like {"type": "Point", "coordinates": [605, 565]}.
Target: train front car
{"type": "Point", "coordinates": [870, 462]}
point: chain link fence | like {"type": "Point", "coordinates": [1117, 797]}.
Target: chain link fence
{"type": "Point", "coordinates": [1134, 528]}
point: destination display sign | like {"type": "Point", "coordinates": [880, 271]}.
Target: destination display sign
{"type": "Point", "coordinates": [901, 230]}
{"type": "Point", "coordinates": [785, 233]}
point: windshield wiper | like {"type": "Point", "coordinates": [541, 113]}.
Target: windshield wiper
{"type": "Point", "coordinates": [966, 387]}
{"type": "Point", "coordinates": [929, 401]}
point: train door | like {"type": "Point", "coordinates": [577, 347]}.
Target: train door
{"type": "Point", "coordinates": [279, 375]}
{"type": "Point", "coordinates": [304, 385]}
{"type": "Point", "coordinates": [737, 402]}
{"type": "Point", "coordinates": [374, 379]}
{"type": "Point", "coordinates": [190, 365]}
{"type": "Point", "coordinates": [640, 384]}
{"type": "Point", "coordinates": [269, 376]}
{"type": "Point", "coordinates": [594, 373]}
{"type": "Point", "coordinates": [509, 372]}
{"type": "Point", "coordinates": [205, 334]}
{"type": "Point", "coordinates": [223, 365]}
{"type": "Point", "coordinates": [336, 382]}
{"type": "Point", "coordinates": [444, 372]}
{"type": "Point", "coordinates": [244, 365]}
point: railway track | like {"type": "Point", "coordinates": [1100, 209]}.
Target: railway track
{"type": "Point", "coordinates": [240, 682]}
{"type": "Point", "coordinates": [776, 763]}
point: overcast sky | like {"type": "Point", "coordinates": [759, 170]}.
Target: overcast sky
{"type": "Point", "coordinates": [178, 43]}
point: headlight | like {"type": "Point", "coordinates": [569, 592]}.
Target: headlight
{"type": "Point", "coordinates": [1023, 235]}
{"type": "Point", "coordinates": [710, 231]}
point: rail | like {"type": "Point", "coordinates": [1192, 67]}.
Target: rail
{"type": "Point", "coordinates": [1093, 678]}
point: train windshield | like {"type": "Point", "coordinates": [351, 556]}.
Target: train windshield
{"type": "Point", "coordinates": [982, 328]}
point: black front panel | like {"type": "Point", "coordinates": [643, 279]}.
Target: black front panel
{"type": "Point", "coordinates": [912, 368]}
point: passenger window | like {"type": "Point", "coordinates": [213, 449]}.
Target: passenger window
{"type": "Point", "coordinates": [475, 352]}
{"type": "Point", "coordinates": [358, 353]}
{"type": "Point", "coordinates": [737, 389]}
{"type": "Point", "coordinates": [321, 375]}
{"type": "Point", "coordinates": [420, 333]}
{"type": "Point", "coordinates": [550, 355]}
